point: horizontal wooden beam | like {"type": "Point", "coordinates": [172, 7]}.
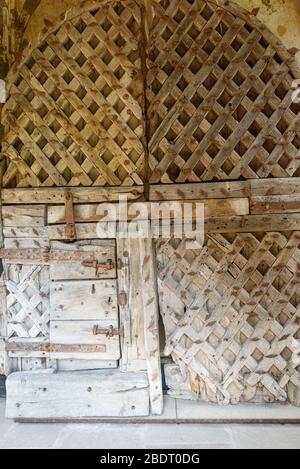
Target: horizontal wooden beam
{"type": "Point", "coordinates": [25, 232]}
{"type": "Point", "coordinates": [238, 224]}
{"type": "Point", "coordinates": [91, 213]}
{"type": "Point", "coordinates": [275, 204]}
{"type": "Point", "coordinates": [46, 347]}
{"type": "Point", "coordinates": [47, 255]}
{"type": "Point", "coordinates": [56, 195]}
{"type": "Point", "coordinates": [24, 215]}
{"type": "Point", "coordinates": [98, 392]}
{"type": "Point", "coordinates": [198, 190]}
{"type": "Point", "coordinates": [253, 223]}
{"type": "Point", "coordinates": [224, 189]}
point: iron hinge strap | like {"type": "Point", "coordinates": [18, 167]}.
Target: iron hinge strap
{"type": "Point", "coordinates": [108, 331]}
{"type": "Point", "coordinates": [87, 259]}
{"type": "Point", "coordinates": [70, 227]}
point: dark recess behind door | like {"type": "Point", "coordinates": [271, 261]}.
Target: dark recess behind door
{"type": "Point", "coordinates": [2, 386]}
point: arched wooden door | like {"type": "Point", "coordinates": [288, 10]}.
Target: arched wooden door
{"type": "Point", "coordinates": [188, 99]}
{"type": "Point", "coordinates": [221, 110]}
{"type": "Point", "coordinates": [171, 92]}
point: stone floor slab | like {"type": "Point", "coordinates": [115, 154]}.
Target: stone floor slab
{"type": "Point", "coordinates": [149, 435]}
{"type": "Point", "coordinates": [187, 409]}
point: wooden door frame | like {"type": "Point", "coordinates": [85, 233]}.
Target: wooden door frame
{"type": "Point", "coordinates": [143, 315]}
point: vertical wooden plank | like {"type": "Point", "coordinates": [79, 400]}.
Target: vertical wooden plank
{"type": "Point", "coordinates": [131, 314]}
{"type": "Point", "coordinates": [123, 285]}
{"type": "Point", "coordinates": [3, 354]}
{"type": "Point", "coordinates": [4, 362]}
{"type": "Point", "coordinates": [150, 309]}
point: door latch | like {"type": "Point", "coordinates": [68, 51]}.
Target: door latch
{"type": "Point", "coordinates": [109, 331]}
{"type": "Point", "coordinates": [108, 265]}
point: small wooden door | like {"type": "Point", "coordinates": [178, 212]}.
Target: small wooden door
{"type": "Point", "coordinates": [84, 298]}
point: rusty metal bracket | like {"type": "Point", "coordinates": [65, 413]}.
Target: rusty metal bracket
{"type": "Point", "coordinates": [70, 228]}
{"type": "Point", "coordinates": [32, 254]}
{"type": "Point", "coordinates": [108, 265]}
{"type": "Point", "coordinates": [109, 331]}
{"type": "Point", "coordinates": [46, 255]}
{"type": "Point", "coordinates": [46, 347]}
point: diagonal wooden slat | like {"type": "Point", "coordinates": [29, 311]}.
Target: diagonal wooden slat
{"type": "Point", "coordinates": [27, 301]}
{"type": "Point", "coordinates": [219, 92]}
{"type": "Point", "coordinates": [202, 84]}
{"type": "Point", "coordinates": [75, 116]}
{"type": "Point", "coordinates": [236, 328]}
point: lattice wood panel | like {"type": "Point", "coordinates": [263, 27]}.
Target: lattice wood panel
{"type": "Point", "coordinates": [218, 101]}
{"type": "Point", "coordinates": [74, 116]}
{"type": "Point", "coordinates": [219, 90]}
{"type": "Point", "coordinates": [28, 311]}
{"type": "Point", "coordinates": [232, 314]}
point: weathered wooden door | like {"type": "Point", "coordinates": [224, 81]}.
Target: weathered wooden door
{"type": "Point", "coordinates": [190, 100]}
{"type": "Point", "coordinates": [84, 300]}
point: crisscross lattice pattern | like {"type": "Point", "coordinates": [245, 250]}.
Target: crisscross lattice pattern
{"type": "Point", "coordinates": [220, 97]}
{"type": "Point", "coordinates": [28, 301]}
{"type": "Point", "coordinates": [74, 116]}
{"type": "Point", "coordinates": [232, 314]}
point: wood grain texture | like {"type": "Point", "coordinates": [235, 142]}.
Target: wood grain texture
{"type": "Point", "coordinates": [81, 365]}
{"type": "Point", "coordinates": [247, 223]}
{"type": "Point", "coordinates": [94, 393]}
{"type": "Point", "coordinates": [74, 270]}
{"type": "Point", "coordinates": [131, 314]}
{"type": "Point", "coordinates": [80, 333]}
{"type": "Point", "coordinates": [26, 243]}
{"type": "Point", "coordinates": [25, 232]}
{"type": "Point", "coordinates": [151, 329]}
{"type": "Point", "coordinates": [203, 190]}
{"type": "Point", "coordinates": [219, 93]}
{"type": "Point", "coordinates": [201, 87]}
{"type": "Point", "coordinates": [81, 117]}
{"type": "Point", "coordinates": [92, 213]}
{"type": "Point", "coordinates": [275, 204]}
{"type": "Point", "coordinates": [24, 215]}
{"type": "Point", "coordinates": [83, 299]}
{"type": "Point", "coordinates": [27, 300]}
{"type": "Point", "coordinates": [226, 189]}
{"type": "Point", "coordinates": [56, 195]}
{"type": "Point", "coordinates": [231, 314]}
